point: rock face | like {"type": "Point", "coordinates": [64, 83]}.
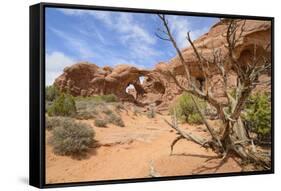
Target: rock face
{"type": "Point", "coordinates": [86, 79]}
{"type": "Point", "coordinates": [256, 35]}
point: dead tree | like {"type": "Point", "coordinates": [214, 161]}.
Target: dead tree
{"type": "Point", "coordinates": [234, 137]}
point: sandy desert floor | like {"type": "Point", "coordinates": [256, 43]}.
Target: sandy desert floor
{"type": "Point", "coordinates": [135, 151]}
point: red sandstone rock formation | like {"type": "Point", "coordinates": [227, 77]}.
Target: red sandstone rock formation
{"type": "Point", "coordinates": [257, 34]}
{"type": "Point", "coordinates": [88, 79]}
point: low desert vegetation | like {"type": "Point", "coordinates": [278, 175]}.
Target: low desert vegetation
{"type": "Point", "coordinates": [257, 116]}
{"type": "Point", "coordinates": [87, 109]}
{"type": "Point", "coordinates": [109, 98]}
{"type": "Point", "coordinates": [107, 111]}
{"type": "Point", "coordinates": [136, 111]}
{"type": "Point", "coordinates": [195, 119]}
{"type": "Point", "coordinates": [52, 122]}
{"type": "Point", "coordinates": [103, 109]}
{"type": "Point", "coordinates": [51, 93]}
{"type": "Point", "coordinates": [71, 137]}
{"type": "Point", "coordinates": [112, 118]}
{"type": "Point", "coordinates": [85, 114]}
{"type": "Point", "coordinates": [186, 110]}
{"type": "Point", "coordinates": [64, 105]}
{"type": "Point", "coordinates": [116, 120]}
{"type": "Point", "coordinates": [93, 107]}
{"type": "Point", "coordinates": [99, 98]}
{"type": "Point", "coordinates": [101, 122]}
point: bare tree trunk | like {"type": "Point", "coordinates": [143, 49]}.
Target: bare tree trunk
{"type": "Point", "coordinates": [234, 137]}
{"type": "Point", "coordinates": [239, 130]}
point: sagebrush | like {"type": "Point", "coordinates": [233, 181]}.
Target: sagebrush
{"type": "Point", "coordinates": [52, 122]}
{"type": "Point", "coordinates": [100, 123]}
{"type": "Point", "coordinates": [116, 120]}
{"type": "Point", "coordinates": [71, 137]}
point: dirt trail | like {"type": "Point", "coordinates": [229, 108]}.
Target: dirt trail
{"type": "Point", "coordinates": [130, 151]}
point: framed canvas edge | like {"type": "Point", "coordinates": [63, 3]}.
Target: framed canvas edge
{"type": "Point", "coordinates": [41, 93]}
{"type": "Point", "coordinates": [35, 154]}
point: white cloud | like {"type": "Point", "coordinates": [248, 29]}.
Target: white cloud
{"type": "Point", "coordinates": [120, 22]}
{"type": "Point", "coordinates": [199, 32]}
{"type": "Point", "coordinates": [91, 32]}
{"type": "Point", "coordinates": [71, 11]}
{"type": "Point", "coordinates": [144, 51]}
{"type": "Point", "coordinates": [129, 31]}
{"type": "Point", "coordinates": [103, 16]}
{"type": "Point", "coordinates": [131, 34]}
{"type": "Point", "coordinates": [100, 37]}
{"type": "Point", "coordinates": [55, 63]}
{"type": "Point", "coordinates": [180, 26]}
{"type": "Point", "coordinates": [76, 44]}
{"type": "Point", "coordinates": [132, 30]}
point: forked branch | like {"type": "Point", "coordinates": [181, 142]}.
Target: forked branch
{"type": "Point", "coordinates": [229, 113]}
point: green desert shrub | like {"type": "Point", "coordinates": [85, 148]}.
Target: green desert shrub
{"type": "Point", "coordinates": [116, 120]}
{"type": "Point", "coordinates": [100, 123]}
{"type": "Point", "coordinates": [72, 137]}
{"type": "Point", "coordinates": [51, 93]}
{"type": "Point", "coordinates": [64, 105]}
{"type": "Point", "coordinates": [195, 119]}
{"type": "Point", "coordinates": [257, 115]}
{"type": "Point", "coordinates": [185, 109]}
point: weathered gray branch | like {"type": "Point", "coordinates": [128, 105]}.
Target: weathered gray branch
{"type": "Point", "coordinates": [210, 129]}
{"type": "Point", "coordinates": [187, 135]}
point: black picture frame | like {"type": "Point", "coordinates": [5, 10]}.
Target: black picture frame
{"type": "Point", "coordinates": [37, 95]}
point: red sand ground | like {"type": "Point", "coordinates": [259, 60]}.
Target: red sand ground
{"type": "Point", "coordinates": [130, 152]}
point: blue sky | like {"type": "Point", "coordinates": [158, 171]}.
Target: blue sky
{"type": "Point", "coordinates": [112, 38]}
